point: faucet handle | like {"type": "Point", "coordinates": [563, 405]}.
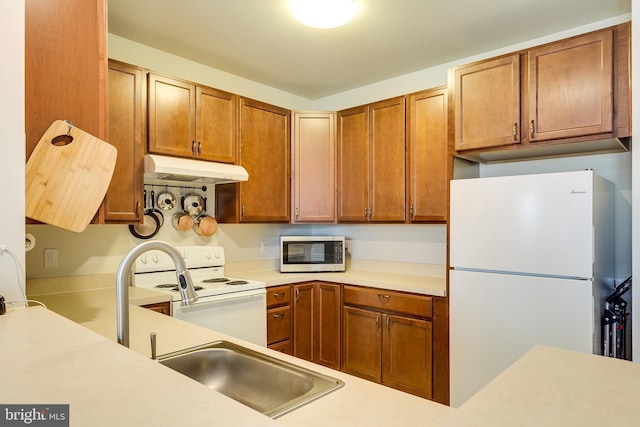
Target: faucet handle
{"type": "Point", "coordinates": [152, 336]}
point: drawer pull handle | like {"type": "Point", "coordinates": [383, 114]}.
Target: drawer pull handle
{"type": "Point", "coordinates": [278, 315]}
{"type": "Point", "coordinates": [532, 129]}
{"type": "Point", "coordinates": [278, 294]}
{"type": "Point", "coordinates": [384, 296]}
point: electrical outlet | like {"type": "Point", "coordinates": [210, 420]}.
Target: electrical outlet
{"type": "Point", "coordinates": [51, 257]}
{"type": "Point", "coordinates": [264, 247]}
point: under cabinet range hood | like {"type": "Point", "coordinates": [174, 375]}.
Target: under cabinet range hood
{"type": "Point", "coordinates": [165, 170]}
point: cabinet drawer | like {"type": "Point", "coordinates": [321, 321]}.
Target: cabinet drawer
{"type": "Point", "coordinates": [278, 324]}
{"type": "Point", "coordinates": [278, 295]}
{"type": "Point", "coordinates": [282, 347]}
{"type": "Point", "coordinates": [382, 299]}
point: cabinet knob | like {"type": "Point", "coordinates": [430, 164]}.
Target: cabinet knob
{"type": "Point", "coordinates": [278, 294]}
{"type": "Point", "coordinates": [278, 315]}
{"type": "Point", "coordinates": [199, 150]}
{"type": "Point", "coordinates": [193, 148]}
{"type": "Point", "coordinates": [515, 131]}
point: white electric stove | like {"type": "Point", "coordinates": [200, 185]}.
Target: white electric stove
{"type": "Point", "coordinates": [233, 306]}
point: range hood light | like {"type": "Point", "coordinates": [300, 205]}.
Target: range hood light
{"type": "Point", "coordinates": [165, 170]}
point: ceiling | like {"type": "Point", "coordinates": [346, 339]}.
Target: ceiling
{"type": "Point", "coordinates": [259, 39]}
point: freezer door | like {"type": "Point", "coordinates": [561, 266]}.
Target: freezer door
{"type": "Point", "coordinates": [497, 318]}
{"type": "Point", "coordinates": [539, 224]}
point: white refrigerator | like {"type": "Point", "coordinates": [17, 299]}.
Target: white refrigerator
{"type": "Point", "coordinates": [532, 259]}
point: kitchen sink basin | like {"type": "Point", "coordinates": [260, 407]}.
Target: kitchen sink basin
{"type": "Point", "coordinates": [266, 384]}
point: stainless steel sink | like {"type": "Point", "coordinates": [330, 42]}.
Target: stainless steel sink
{"type": "Point", "coordinates": [266, 384]}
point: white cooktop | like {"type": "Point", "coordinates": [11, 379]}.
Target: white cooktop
{"type": "Point", "coordinates": [155, 270]}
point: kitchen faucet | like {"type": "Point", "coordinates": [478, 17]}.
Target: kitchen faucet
{"type": "Point", "coordinates": [187, 291]}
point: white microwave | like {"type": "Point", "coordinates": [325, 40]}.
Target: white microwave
{"type": "Point", "coordinates": [300, 254]}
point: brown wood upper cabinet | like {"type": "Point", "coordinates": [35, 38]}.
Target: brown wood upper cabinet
{"type": "Point", "coordinates": [189, 120]}
{"type": "Point", "coordinates": [64, 83]}
{"type": "Point", "coordinates": [127, 120]}
{"type": "Point", "coordinates": [371, 162]}
{"type": "Point", "coordinates": [571, 88]}
{"type": "Point", "coordinates": [313, 167]}
{"type": "Point", "coordinates": [265, 152]}
{"type": "Point", "coordinates": [570, 91]}
{"type": "Point", "coordinates": [487, 103]}
{"type": "Point", "coordinates": [427, 160]}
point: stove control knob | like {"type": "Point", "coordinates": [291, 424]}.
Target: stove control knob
{"type": "Point", "coordinates": [218, 254]}
{"type": "Point", "coordinates": [144, 259]}
{"type": "Point", "coordinates": [208, 255]}
{"type": "Point", "coordinates": [156, 258]}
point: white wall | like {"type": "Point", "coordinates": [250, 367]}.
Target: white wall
{"type": "Point", "coordinates": [12, 160]}
{"type": "Point", "coordinates": [437, 76]}
{"type": "Point", "coordinates": [164, 63]}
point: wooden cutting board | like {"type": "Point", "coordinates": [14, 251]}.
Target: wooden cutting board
{"type": "Point", "coordinates": [68, 174]}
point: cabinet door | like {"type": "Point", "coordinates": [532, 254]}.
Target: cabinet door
{"type": "Point", "coordinates": [265, 134]}
{"type": "Point", "coordinates": [328, 329]}
{"type": "Point", "coordinates": [314, 159]}
{"type": "Point", "coordinates": [486, 97]}
{"type": "Point", "coordinates": [387, 160]}
{"type": "Point", "coordinates": [171, 116]}
{"type": "Point", "coordinates": [353, 165]}
{"type": "Point", "coordinates": [361, 343]}
{"type": "Point", "coordinates": [127, 113]}
{"type": "Point", "coordinates": [65, 66]}
{"type": "Point", "coordinates": [427, 156]}
{"type": "Point", "coordinates": [65, 69]}
{"type": "Point", "coordinates": [215, 125]}
{"type": "Point", "coordinates": [303, 323]}
{"type": "Point", "coordinates": [407, 355]}
{"type": "Point", "coordinates": [571, 87]}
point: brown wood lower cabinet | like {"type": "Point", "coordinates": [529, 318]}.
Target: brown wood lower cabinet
{"type": "Point", "coordinates": [279, 318]}
{"type": "Point", "coordinates": [161, 307]}
{"type": "Point", "coordinates": [316, 325]}
{"type": "Point", "coordinates": [376, 334]}
{"type": "Point", "coordinates": [392, 349]}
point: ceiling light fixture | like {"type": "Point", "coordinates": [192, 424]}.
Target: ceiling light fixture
{"type": "Point", "coordinates": [324, 14]}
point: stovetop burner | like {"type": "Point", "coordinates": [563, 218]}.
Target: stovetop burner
{"type": "Point", "coordinates": [174, 287]}
{"type": "Point", "coordinates": [216, 280]}
{"type": "Point", "coordinates": [237, 282]}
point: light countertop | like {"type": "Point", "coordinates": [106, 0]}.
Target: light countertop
{"type": "Point", "coordinates": [553, 387]}
{"type": "Point", "coordinates": [426, 285]}
{"type": "Point", "coordinates": [359, 402]}
{"type": "Point", "coordinates": [54, 360]}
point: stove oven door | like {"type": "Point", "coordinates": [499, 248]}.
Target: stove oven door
{"type": "Point", "coordinates": [241, 314]}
